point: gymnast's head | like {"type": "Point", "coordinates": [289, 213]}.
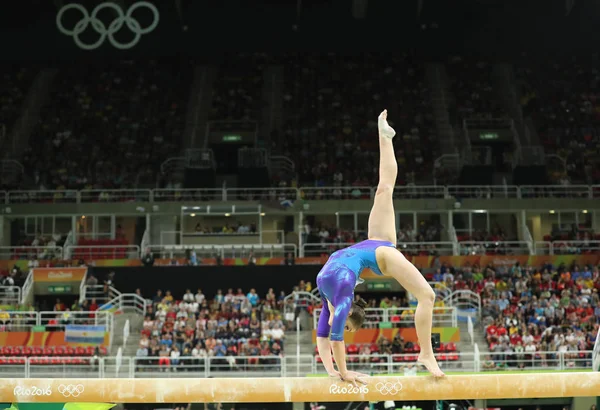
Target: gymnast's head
{"type": "Point", "coordinates": [356, 317]}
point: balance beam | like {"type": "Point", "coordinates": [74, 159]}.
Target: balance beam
{"type": "Point", "coordinates": [296, 389]}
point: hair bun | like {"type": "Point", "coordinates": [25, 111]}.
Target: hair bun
{"type": "Point", "coordinates": [361, 303]}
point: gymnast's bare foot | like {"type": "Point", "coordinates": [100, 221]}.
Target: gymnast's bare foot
{"type": "Point", "coordinates": [383, 126]}
{"type": "Point", "coordinates": [429, 362]}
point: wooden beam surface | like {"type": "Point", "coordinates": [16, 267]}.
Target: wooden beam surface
{"type": "Point", "coordinates": [240, 390]}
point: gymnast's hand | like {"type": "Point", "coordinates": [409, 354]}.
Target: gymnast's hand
{"type": "Point", "coordinates": [355, 378]}
{"type": "Point", "coordinates": [335, 374]}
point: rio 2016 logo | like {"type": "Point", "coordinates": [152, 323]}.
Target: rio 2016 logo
{"type": "Point", "coordinates": [32, 391]}
{"type": "Point", "coordinates": [348, 389]}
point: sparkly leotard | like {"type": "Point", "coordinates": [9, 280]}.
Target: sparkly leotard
{"type": "Point", "coordinates": [336, 282]}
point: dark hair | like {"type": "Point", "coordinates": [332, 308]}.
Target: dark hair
{"type": "Point", "coordinates": [358, 313]}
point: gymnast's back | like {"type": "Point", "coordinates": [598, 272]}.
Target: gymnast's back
{"type": "Point", "coordinates": [358, 257]}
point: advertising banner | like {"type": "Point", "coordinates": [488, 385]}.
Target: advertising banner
{"type": "Point", "coordinates": [51, 281]}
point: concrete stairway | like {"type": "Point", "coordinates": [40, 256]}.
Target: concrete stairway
{"type": "Point", "coordinates": [303, 338]}
{"type": "Point", "coordinates": [465, 340]}
{"type": "Point", "coordinates": [136, 322]}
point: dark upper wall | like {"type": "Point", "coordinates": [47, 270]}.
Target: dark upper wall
{"type": "Point", "coordinates": [491, 27]}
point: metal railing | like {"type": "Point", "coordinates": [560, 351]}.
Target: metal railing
{"type": "Point", "coordinates": [27, 289]}
{"type": "Point", "coordinates": [224, 251]}
{"type": "Point", "coordinates": [502, 248]}
{"type": "Point", "coordinates": [278, 366]}
{"type": "Point", "coordinates": [104, 251]}
{"type": "Point", "coordinates": [30, 252]}
{"type": "Point", "coordinates": [255, 194]}
{"type": "Point", "coordinates": [566, 247]}
{"type": "Point", "coordinates": [97, 292]}
{"type": "Point", "coordinates": [596, 353]}
{"type": "Point", "coordinates": [115, 195]}
{"type": "Point", "coordinates": [10, 295]}
{"type": "Point", "coordinates": [412, 248]}
{"type": "Point", "coordinates": [17, 320]}
{"type": "Point", "coordinates": [401, 317]}
{"type": "Point", "coordinates": [126, 332]}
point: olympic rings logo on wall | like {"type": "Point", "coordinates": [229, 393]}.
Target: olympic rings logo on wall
{"type": "Point", "coordinates": [113, 27]}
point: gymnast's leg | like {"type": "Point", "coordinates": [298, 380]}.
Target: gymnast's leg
{"type": "Point", "coordinates": [382, 226]}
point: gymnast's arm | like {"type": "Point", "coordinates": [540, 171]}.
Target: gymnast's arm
{"type": "Point", "coordinates": [323, 329]}
{"type": "Point", "coordinates": [343, 304]}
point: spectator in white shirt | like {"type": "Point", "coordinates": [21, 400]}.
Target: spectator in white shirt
{"type": "Point", "coordinates": [189, 296]}
{"type": "Point", "coordinates": [199, 297]}
{"type": "Point", "coordinates": [175, 354]}
{"type": "Point", "coordinates": [277, 333]}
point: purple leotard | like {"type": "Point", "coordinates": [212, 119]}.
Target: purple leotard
{"type": "Point", "coordinates": [338, 278]}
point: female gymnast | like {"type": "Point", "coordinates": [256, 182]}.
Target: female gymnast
{"type": "Point", "coordinates": [339, 276]}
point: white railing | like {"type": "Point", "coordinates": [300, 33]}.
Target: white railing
{"type": "Point", "coordinates": [566, 247]}
{"type": "Point", "coordinates": [97, 292]}
{"type": "Point", "coordinates": [126, 330]}
{"type": "Point", "coordinates": [59, 320]}
{"type": "Point", "coordinates": [277, 366]}
{"type": "Point", "coordinates": [55, 320]}
{"type": "Point", "coordinates": [528, 238]}
{"type": "Point", "coordinates": [412, 248]}
{"type": "Point", "coordinates": [401, 317]}
{"type": "Point", "coordinates": [467, 304]}
{"type": "Point", "coordinates": [126, 302]}
{"type": "Point", "coordinates": [224, 251]}
{"type": "Point", "coordinates": [483, 191]}
{"type": "Point", "coordinates": [470, 329]}
{"type": "Point", "coordinates": [441, 290]}
{"type": "Point", "coordinates": [10, 295]}
{"type": "Point", "coordinates": [339, 193]}
{"type": "Point", "coordinates": [14, 321]}
{"type": "Point", "coordinates": [115, 195]}
{"type": "Point", "coordinates": [27, 288]}
{"type": "Point", "coordinates": [300, 299]}
{"type": "Point", "coordinates": [454, 238]}
{"type": "Point", "coordinates": [596, 353]}
{"type": "Point", "coordinates": [104, 252]}
{"type": "Point", "coordinates": [501, 248]}
{"type": "Point", "coordinates": [336, 193]}
{"type": "Point", "coordinates": [537, 360]}
{"type": "Point", "coordinates": [83, 288]}
{"type": "Point", "coordinates": [559, 191]}
{"type": "Point", "coordinates": [30, 252]}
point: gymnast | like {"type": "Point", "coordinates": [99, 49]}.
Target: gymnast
{"type": "Point", "coordinates": [340, 274]}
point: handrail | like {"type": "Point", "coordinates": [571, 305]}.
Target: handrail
{"type": "Point", "coordinates": [27, 287]}
{"type": "Point", "coordinates": [126, 330]}
{"type": "Point", "coordinates": [596, 353]}
{"type": "Point", "coordinates": [397, 315]}
{"type": "Point", "coordinates": [251, 194]}
{"type": "Point", "coordinates": [285, 365]}
{"type": "Point", "coordinates": [31, 252]}
{"type": "Point", "coordinates": [10, 293]}
{"type": "Point", "coordinates": [237, 250]}
{"type": "Point", "coordinates": [126, 301]}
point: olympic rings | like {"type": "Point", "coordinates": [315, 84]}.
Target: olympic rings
{"type": "Point", "coordinates": [388, 388]}
{"type": "Point", "coordinates": [113, 27]}
{"type": "Point", "coordinates": [70, 390]}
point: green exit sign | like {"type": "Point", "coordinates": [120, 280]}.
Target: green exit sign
{"type": "Point", "coordinates": [489, 136]}
{"type": "Point", "coordinates": [379, 286]}
{"type": "Point", "coordinates": [232, 138]}
{"type": "Point", "coordinates": [60, 289]}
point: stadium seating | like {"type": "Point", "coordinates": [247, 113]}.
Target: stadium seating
{"type": "Point", "coordinates": [332, 104]}
{"type": "Point", "coordinates": [109, 125]}
{"type": "Point", "coordinates": [563, 101]}
{"type": "Point", "coordinates": [13, 89]}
